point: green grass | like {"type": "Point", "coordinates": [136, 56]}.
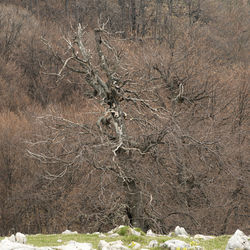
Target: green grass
{"type": "Point", "coordinates": [123, 231]}
{"type": "Point", "coordinates": [51, 240]}
{"type": "Point", "coordinates": [40, 240]}
{"type": "Point", "coordinates": [219, 242]}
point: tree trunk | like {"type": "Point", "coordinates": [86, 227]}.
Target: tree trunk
{"type": "Point", "coordinates": [135, 204]}
{"type": "Point", "coordinates": [133, 16]}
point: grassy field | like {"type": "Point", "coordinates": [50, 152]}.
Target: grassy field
{"type": "Point", "coordinates": [52, 240]}
{"type": "Point", "coordinates": [125, 235]}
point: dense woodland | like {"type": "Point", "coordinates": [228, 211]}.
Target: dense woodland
{"type": "Point", "coordinates": [128, 112]}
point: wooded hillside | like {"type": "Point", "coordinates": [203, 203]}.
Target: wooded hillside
{"type": "Point", "coordinates": [128, 112]}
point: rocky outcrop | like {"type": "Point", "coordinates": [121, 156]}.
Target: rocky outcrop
{"type": "Point", "coordinates": [181, 232]}
{"type": "Point", "coordinates": [238, 241]}
{"type": "Point", "coordinates": [174, 244]}
{"type": "Point", "coordinates": [115, 245]}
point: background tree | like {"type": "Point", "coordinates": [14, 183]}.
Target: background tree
{"type": "Point", "coordinates": [148, 130]}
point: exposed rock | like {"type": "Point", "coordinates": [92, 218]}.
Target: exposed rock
{"type": "Point", "coordinates": [173, 244]}
{"type": "Point", "coordinates": [203, 237]}
{"type": "Point", "coordinates": [12, 238]}
{"type": "Point", "coordinates": [135, 245]}
{"type": "Point", "coordinates": [7, 244]}
{"type": "Point", "coordinates": [69, 232]}
{"type": "Point", "coordinates": [21, 238]}
{"type": "Point", "coordinates": [153, 243]}
{"type": "Point", "coordinates": [180, 231]}
{"type": "Point", "coordinates": [134, 232]}
{"type": "Point", "coordinates": [103, 245]}
{"type": "Point", "coordinates": [238, 241]}
{"type": "Point", "coordinates": [115, 245]}
{"type": "Point", "coordinates": [101, 235]}
{"type": "Point", "coordinates": [73, 245]}
{"type": "Point", "coordinates": [115, 229]}
{"type": "Point", "coordinates": [114, 235]}
{"type": "Point", "coordinates": [150, 233]}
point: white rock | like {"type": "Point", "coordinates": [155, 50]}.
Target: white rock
{"type": "Point", "coordinates": [238, 241]}
{"type": "Point", "coordinates": [103, 245]}
{"type": "Point", "coordinates": [115, 229]}
{"type": "Point", "coordinates": [69, 232]}
{"type": "Point", "coordinates": [135, 245]}
{"type": "Point", "coordinates": [21, 238]}
{"type": "Point", "coordinates": [96, 233]}
{"type": "Point", "coordinates": [12, 238]}
{"type": "Point", "coordinates": [153, 243]}
{"type": "Point", "coordinates": [101, 235]}
{"type": "Point", "coordinates": [115, 245]}
{"type": "Point", "coordinates": [173, 244]}
{"type": "Point", "coordinates": [114, 235]}
{"type": "Point", "coordinates": [134, 232]}
{"type": "Point", "coordinates": [203, 237]}
{"type": "Point", "coordinates": [6, 244]}
{"type": "Point", "coordinates": [150, 233]}
{"type": "Point", "coordinates": [180, 231]}
{"type": "Point", "coordinates": [170, 234]}
{"type": "Point", "coordinates": [73, 245]}
{"type": "Point", "coordinates": [59, 240]}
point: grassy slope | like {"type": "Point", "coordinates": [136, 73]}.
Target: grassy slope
{"type": "Point", "coordinates": [51, 240]}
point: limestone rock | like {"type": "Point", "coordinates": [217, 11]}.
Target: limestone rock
{"type": "Point", "coordinates": [7, 244]}
{"type": "Point", "coordinates": [153, 243]}
{"type": "Point", "coordinates": [150, 233]}
{"type": "Point", "coordinates": [238, 241]}
{"type": "Point", "coordinates": [135, 245]}
{"type": "Point", "coordinates": [115, 229]}
{"type": "Point", "coordinates": [115, 245]}
{"type": "Point", "coordinates": [180, 231]}
{"type": "Point", "coordinates": [134, 232]}
{"type": "Point", "coordinates": [173, 244]}
{"type": "Point", "coordinates": [69, 232]}
{"type": "Point", "coordinates": [114, 235]}
{"type": "Point", "coordinates": [73, 245]}
{"type": "Point", "coordinates": [101, 235]}
{"type": "Point", "coordinates": [21, 238]}
{"type": "Point", "coordinates": [203, 237]}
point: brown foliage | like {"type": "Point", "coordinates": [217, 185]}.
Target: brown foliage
{"type": "Point", "coordinates": [184, 74]}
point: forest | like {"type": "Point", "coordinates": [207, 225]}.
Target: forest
{"type": "Point", "coordinates": [124, 112]}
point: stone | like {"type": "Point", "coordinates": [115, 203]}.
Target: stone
{"type": "Point", "coordinates": [135, 245]}
{"type": "Point", "coordinates": [153, 243]}
{"type": "Point", "coordinates": [69, 232]}
{"type": "Point", "coordinates": [12, 238]}
{"type": "Point", "coordinates": [173, 244]}
{"type": "Point", "coordinates": [103, 245]}
{"type": "Point", "coordinates": [73, 245]}
{"type": "Point", "coordinates": [150, 233]}
{"type": "Point", "coordinates": [134, 232]}
{"type": "Point", "coordinates": [101, 235]}
{"type": "Point", "coordinates": [238, 241]}
{"type": "Point", "coordinates": [7, 244]}
{"type": "Point", "coordinates": [203, 237]}
{"type": "Point", "coordinates": [21, 238]}
{"type": "Point", "coordinates": [115, 229]}
{"type": "Point", "coordinates": [114, 235]}
{"type": "Point", "coordinates": [180, 231]}
{"type": "Point", "coordinates": [115, 245]}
